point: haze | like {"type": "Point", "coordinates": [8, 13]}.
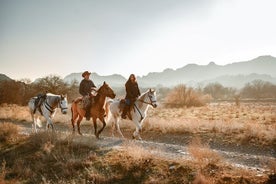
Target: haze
{"type": "Point", "coordinates": [38, 37]}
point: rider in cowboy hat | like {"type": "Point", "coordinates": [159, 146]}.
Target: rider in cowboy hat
{"type": "Point", "coordinates": [85, 89]}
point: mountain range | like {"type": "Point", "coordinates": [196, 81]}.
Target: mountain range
{"type": "Point", "coordinates": [231, 75]}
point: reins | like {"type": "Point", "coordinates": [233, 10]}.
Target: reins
{"type": "Point", "coordinates": [149, 103]}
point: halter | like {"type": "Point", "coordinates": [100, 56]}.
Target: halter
{"type": "Point", "coordinates": [52, 109]}
{"type": "Point", "coordinates": [62, 108]}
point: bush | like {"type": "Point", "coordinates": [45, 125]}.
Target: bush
{"type": "Point", "coordinates": [182, 96]}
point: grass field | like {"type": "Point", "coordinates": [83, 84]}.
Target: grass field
{"type": "Point", "coordinates": [44, 158]}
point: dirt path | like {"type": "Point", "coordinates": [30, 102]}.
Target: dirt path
{"type": "Point", "coordinates": [173, 146]}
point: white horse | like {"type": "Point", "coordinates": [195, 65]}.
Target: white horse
{"type": "Point", "coordinates": [138, 113]}
{"type": "Point", "coordinates": [48, 109]}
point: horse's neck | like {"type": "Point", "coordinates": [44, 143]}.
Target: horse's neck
{"type": "Point", "coordinates": [100, 100]}
{"type": "Point", "coordinates": [52, 101]}
{"type": "Point", "coordinates": [141, 103]}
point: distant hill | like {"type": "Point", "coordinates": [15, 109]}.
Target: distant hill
{"type": "Point", "coordinates": [3, 77]}
{"type": "Point", "coordinates": [230, 75]}
{"type": "Point", "coordinates": [114, 80]}
{"type": "Point", "coordinates": [193, 73]}
{"type": "Point", "coordinates": [238, 81]}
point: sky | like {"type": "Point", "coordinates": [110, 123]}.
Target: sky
{"type": "Point", "coordinates": [58, 37]}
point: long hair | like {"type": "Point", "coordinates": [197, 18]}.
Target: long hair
{"type": "Point", "coordinates": [129, 79]}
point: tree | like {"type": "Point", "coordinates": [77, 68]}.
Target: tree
{"type": "Point", "coordinates": [259, 89]}
{"type": "Point", "coordinates": [182, 96]}
{"type": "Point", "coordinates": [218, 91]}
{"type": "Point", "coordinates": [51, 84]}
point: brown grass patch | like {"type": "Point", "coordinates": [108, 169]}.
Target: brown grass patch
{"type": "Point", "coordinates": [50, 158]}
{"type": "Point", "coordinates": [233, 123]}
{"type": "Point", "coordinates": [203, 155]}
{"type": "Point", "coordinates": [8, 132]}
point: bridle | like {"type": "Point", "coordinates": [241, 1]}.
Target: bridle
{"type": "Point", "coordinates": [151, 101]}
{"type": "Point", "coordinates": [60, 105]}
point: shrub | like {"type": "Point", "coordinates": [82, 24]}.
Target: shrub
{"type": "Point", "coordinates": [182, 96]}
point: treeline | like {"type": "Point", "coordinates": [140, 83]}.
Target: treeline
{"type": "Point", "coordinates": [19, 92]}
{"type": "Point", "coordinates": [183, 96]}
{"type": "Point", "coordinates": [257, 90]}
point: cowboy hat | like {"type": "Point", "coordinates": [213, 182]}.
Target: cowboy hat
{"type": "Point", "coordinates": [85, 73]}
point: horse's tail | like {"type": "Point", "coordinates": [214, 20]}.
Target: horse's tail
{"type": "Point", "coordinates": [38, 122]}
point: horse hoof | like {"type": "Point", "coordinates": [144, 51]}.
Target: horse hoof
{"type": "Point", "coordinates": [80, 133]}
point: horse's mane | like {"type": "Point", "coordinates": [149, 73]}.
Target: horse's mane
{"type": "Point", "coordinates": [51, 94]}
{"type": "Point", "coordinates": [98, 94]}
{"type": "Point", "coordinates": [143, 94]}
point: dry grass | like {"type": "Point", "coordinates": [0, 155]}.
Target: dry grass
{"type": "Point", "coordinates": [8, 132]}
{"type": "Point", "coordinates": [253, 123]}
{"type": "Point", "coordinates": [203, 155]}
{"type": "Point", "coordinates": [211, 167]}
{"type": "Point", "coordinates": [250, 122]}
{"type": "Point", "coordinates": [21, 113]}
{"type": "Point", "coordinates": [58, 158]}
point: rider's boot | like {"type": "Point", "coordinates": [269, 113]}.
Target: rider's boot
{"type": "Point", "coordinates": [124, 112]}
{"type": "Point", "coordinates": [87, 113]}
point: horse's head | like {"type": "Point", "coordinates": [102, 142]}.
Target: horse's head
{"type": "Point", "coordinates": [151, 94]}
{"type": "Point", "coordinates": [106, 90]}
{"type": "Point", "coordinates": [63, 104]}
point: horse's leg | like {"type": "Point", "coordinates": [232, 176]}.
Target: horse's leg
{"type": "Point", "coordinates": [112, 127]}
{"type": "Point", "coordinates": [95, 127]}
{"type": "Point", "coordinates": [34, 123]}
{"type": "Point", "coordinates": [78, 123]}
{"type": "Point", "coordinates": [136, 133]}
{"type": "Point", "coordinates": [117, 120]}
{"type": "Point", "coordinates": [104, 124]}
{"type": "Point", "coordinates": [50, 123]}
{"type": "Point", "coordinates": [73, 119]}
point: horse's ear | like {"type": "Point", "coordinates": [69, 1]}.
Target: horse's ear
{"type": "Point", "coordinates": [104, 83]}
{"type": "Point", "coordinates": [150, 90]}
{"type": "Point", "coordinates": [63, 96]}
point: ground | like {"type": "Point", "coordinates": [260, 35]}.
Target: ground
{"type": "Point", "coordinates": [208, 154]}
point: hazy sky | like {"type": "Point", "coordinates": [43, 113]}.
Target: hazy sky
{"type": "Point", "coordinates": [43, 37]}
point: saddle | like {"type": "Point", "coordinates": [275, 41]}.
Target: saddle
{"type": "Point", "coordinates": [122, 104]}
{"type": "Point", "coordinates": [84, 102]}
{"type": "Point", "coordinates": [38, 101]}
{"type": "Point", "coordinates": [127, 108]}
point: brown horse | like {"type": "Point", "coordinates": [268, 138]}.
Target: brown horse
{"type": "Point", "coordinates": [97, 109]}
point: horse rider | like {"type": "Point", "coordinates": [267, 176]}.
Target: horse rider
{"type": "Point", "coordinates": [38, 101]}
{"type": "Point", "coordinates": [132, 93]}
{"type": "Point", "coordinates": [85, 89]}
